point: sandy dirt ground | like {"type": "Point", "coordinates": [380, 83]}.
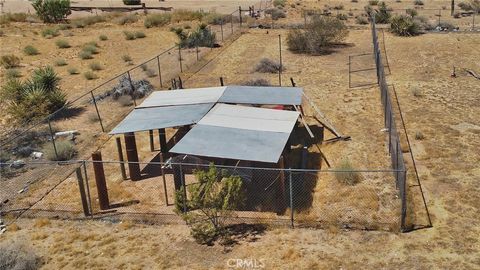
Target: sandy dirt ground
{"type": "Point", "coordinates": [444, 109]}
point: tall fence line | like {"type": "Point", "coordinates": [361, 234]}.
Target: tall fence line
{"type": "Point", "coordinates": [394, 144]}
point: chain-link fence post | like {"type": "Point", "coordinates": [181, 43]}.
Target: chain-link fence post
{"type": "Point", "coordinates": [159, 71]}
{"type": "Point", "coordinates": [184, 187]}
{"type": "Point", "coordinates": [81, 188]}
{"type": "Point", "coordinates": [120, 158]}
{"type": "Point", "coordinates": [291, 197]}
{"type": "Point", "coordinates": [133, 88]}
{"type": "Point", "coordinates": [98, 112]}
{"type": "Point", "coordinates": [180, 57]}
{"type": "Point", "coordinates": [52, 136]}
{"type": "Point", "coordinates": [84, 163]}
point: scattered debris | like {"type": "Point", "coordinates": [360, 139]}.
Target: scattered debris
{"type": "Point", "coordinates": [17, 164]}
{"type": "Point", "coordinates": [141, 89]}
{"type": "Point", "coordinates": [36, 155]}
{"type": "Point", "coordinates": [68, 133]}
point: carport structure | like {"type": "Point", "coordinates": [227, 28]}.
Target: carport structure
{"type": "Point", "coordinates": [216, 123]}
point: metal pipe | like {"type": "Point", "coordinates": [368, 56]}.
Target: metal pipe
{"type": "Point", "coordinates": [120, 158]}
{"type": "Point", "coordinates": [132, 156]}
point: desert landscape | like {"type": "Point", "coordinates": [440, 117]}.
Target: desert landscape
{"type": "Point", "coordinates": [433, 86]}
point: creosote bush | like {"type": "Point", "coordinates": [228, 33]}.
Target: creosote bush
{"type": "Point", "coordinates": [9, 61]}
{"type": "Point", "coordinates": [51, 11]}
{"type": "Point", "coordinates": [50, 32]}
{"type": "Point", "coordinates": [60, 62]}
{"type": "Point", "coordinates": [200, 37]}
{"type": "Point", "coordinates": [130, 18]}
{"type": "Point", "coordinates": [404, 26]}
{"type": "Point", "coordinates": [62, 44]}
{"type": "Point", "coordinates": [346, 174]}
{"type": "Point", "coordinates": [89, 75]}
{"type": "Point", "coordinates": [139, 34]}
{"type": "Point", "coordinates": [319, 36]}
{"type": "Point", "coordinates": [12, 73]}
{"type": "Point", "coordinates": [268, 66]}
{"type": "Point", "coordinates": [157, 20]}
{"type": "Point", "coordinates": [129, 35]}
{"type": "Point", "coordinates": [30, 50]}
{"type": "Point", "coordinates": [210, 202]}
{"type": "Point", "coordinates": [276, 13]}
{"type": "Point", "coordinates": [95, 66]}
{"type": "Point", "coordinates": [85, 55]}
{"type": "Point", "coordinates": [73, 71]}
{"type": "Point", "coordinates": [65, 150]}
{"type": "Point", "coordinates": [103, 37]}
{"type": "Point", "coordinates": [126, 58]}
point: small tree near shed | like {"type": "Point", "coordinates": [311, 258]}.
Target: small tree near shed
{"type": "Point", "coordinates": [210, 202]}
{"type": "Point", "coordinates": [52, 11]}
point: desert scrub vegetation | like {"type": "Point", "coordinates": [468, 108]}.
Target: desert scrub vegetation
{"type": "Point", "coordinates": [95, 66]}
{"type": "Point", "coordinates": [318, 37]}
{"type": "Point", "coordinates": [140, 34]}
{"type": "Point", "coordinates": [157, 20]}
{"type": "Point", "coordinates": [62, 44]}
{"type": "Point", "coordinates": [200, 37]}
{"type": "Point", "coordinates": [257, 82]}
{"type": "Point", "coordinates": [86, 21]}
{"type": "Point", "coordinates": [276, 13]}
{"type": "Point", "coordinates": [180, 15]}
{"type": "Point", "coordinates": [418, 3]}
{"type": "Point", "coordinates": [17, 256]}
{"type": "Point", "coordinates": [126, 58]}
{"type": "Point", "coordinates": [50, 32]}
{"type": "Point", "coordinates": [85, 55]}
{"type": "Point", "coordinates": [9, 61]}
{"type": "Point", "coordinates": [470, 5]}
{"type": "Point", "coordinates": [60, 62]}
{"type": "Point", "coordinates": [404, 26]}
{"type": "Point", "coordinates": [63, 150]}
{"type": "Point", "coordinates": [34, 98]}
{"type": "Point", "coordinates": [89, 75]}
{"type": "Point", "coordinates": [73, 71]}
{"type": "Point", "coordinates": [419, 136]}
{"type": "Point", "coordinates": [14, 17]}
{"type": "Point", "coordinates": [51, 11]}
{"type": "Point", "coordinates": [346, 174]}
{"type": "Point", "coordinates": [12, 73]}
{"type": "Point", "coordinates": [126, 19]}
{"type": "Point", "coordinates": [30, 50]}
{"type": "Point", "coordinates": [129, 35]}
{"type": "Point", "coordinates": [268, 66]}
{"type": "Point", "coordinates": [279, 3]}
{"type": "Point", "coordinates": [103, 37]}
{"type": "Point", "coordinates": [210, 202]}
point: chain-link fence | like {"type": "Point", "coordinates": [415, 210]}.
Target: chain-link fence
{"type": "Point", "coordinates": [273, 196]}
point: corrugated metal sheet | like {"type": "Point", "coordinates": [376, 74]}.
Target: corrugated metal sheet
{"type": "Point", "coordinates": [242, 117]}
{"type": "Point", "coordinates": [162, 117]}
{"type": "Point", "coordinates": [183, 97]}
{"type": "Point", "coordinates": [262, 95]}
{"type": "Point", "coordinates": [232, 143]}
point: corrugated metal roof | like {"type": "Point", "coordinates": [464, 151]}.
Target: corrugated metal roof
{"type": "Point", "coordinates": [183, 97]}
{"type": "Point", "coordinates": [162, 117]}
{"type": "Point", "coordinates": [242, 117]}
{"type": "Point", "coordinates": [262, 95]}
{"type": "Point", "coordinates": [232, 143]}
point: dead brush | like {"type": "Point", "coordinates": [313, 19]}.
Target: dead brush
{"type": "Point", "coordinates": [18, 256]}
{"type": "Point", "coordinates": [269, 66]}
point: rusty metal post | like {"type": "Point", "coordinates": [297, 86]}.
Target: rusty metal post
{"type": "Point", "coordinates": [98, 112]}
{"type": "Point", "coordinates": [120, 158]}
{"type": "Point", "coordinates": [84, 164]}
{"type": "Point", "coordinates": [293, 82]}
{"type": "Point", "coordinates": [81, 187]}
{"type": "Point", "coordinates": [240, 14]}
{"type": "Point", "coordinates": [221, 81]}
{"type": "Point", "coordinates": [100, 180]}
{"type": "Point", "coordinates": [132, 156]}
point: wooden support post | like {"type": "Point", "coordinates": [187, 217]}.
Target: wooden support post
{"type": "Point", "coordinates": [152, 145]}
{"type": "Point", "coordinates": [240, 14]}
{"type": "Point", "coordinates": [180, 57]}
{"type": "Point", "coordinates": [100, 181]}
{"type": "Point", "coordinates": [83, 196]}
{"type": "Point", "coordinates": [180, 83]}
{"type": "Point", "coordinates": [120, 158]}
{"type": "Point", "coordinates": [221, 81]}
{"type": "Point", "coordinates": [98, 112]}
{"type": "Point", "coordinates": [159, 71]}
{"type": "Point", "coordinates": [132, 156]}
{"type": "Point", "coordinates": [281, 186]}
{"type": "Point", "coordinates": [293, 82]}
{"type": "Point", "coordinates": [162, 137]}
{"type": "Point", "coordinates": [304, 158]}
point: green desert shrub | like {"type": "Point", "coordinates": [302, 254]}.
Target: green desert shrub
{"type": "Point", "coordinates": [361, 20]}
{"type": "Point", "coordinates": [470, 5]}
{"type": "Point", "coordinates": [60, 62]}
{"type": "Point", "coordinates": [129, 35]}
{"type": "Point", "coordinates": [103, 37]}
{"type": "Point", "coordinates": [257, 82]}
{"type": "Point", "coordinates": [139, 34]}
{"type": "Point", "coordinates": [383, 14]}
{"type": "Point", "coordinates": [90, 48]}
{"type": "Point", "coordinates": [279, 3]}
{"type": "Point", "coordinates": [95, 66]}
{"type": "Point", "coordinates": [86, 21]}
{"type": "Point", "coordinates": [13, 17]}
{"type": "Point", "coordinates": [180, 15]}
{"type": "Point", "coordinates": [63, 150]}
{"type": "Point", "coordinates": [268, 66]}
{"type": "Point", "coordinates": [157, 20]}
{"type": "Point", "coordinates": [51, 11]}
{"type": "Point", "coordinates": [36, 97]}
{"type": "Point", "coordinates": [318, 37]}
{"type": "Point", "coordinates": [85, 55]}
{"type": "Point", "coordinates": [12, 73]}
{"type": "Point", "coordinates": [214, 18]}
{"type": "Point", "coordinates": [9, 61]}
{"type": "Point", "coordinates": [89, 75]}
{"type": "Point", "coordinates": [201, 37]}
{"type": "Point", "coordinates": [30, 50]}
{"type": "Point", "coordinates": [418, 3]}
{"type": "Point", "coordinates": [73, 71]}
{"type": "Point", "coordinates": [404, 26]}
{"type": "Point", "coordinates": [50, 32]}
{"type": "Point", "coordinates": [411, 12]}
{"type": "Point", "coordinates": [62, 44]}
{"type": "Point", "coordinates": [346, 174]}
{"type": "Point", "coordinates": [419, 136]}
{"type": "Point", "coordinates": [130, 18]}
{"type": "Point", "coordinates": [373, 2]}
{"type": "Point", "coordinates": [126, 58]}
